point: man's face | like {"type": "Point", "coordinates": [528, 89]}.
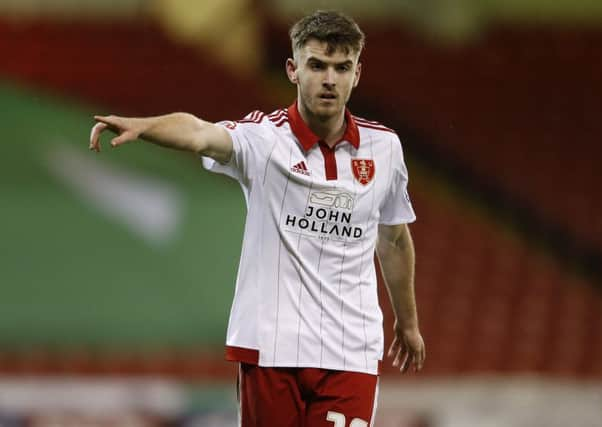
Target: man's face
{"type": "Point", "coordinates": [324, 81]}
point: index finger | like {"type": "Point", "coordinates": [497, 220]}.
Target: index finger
{"type": "Point", "coordinates": [109, 120]}
{"type": "Point", "coordinates": [95, 136]}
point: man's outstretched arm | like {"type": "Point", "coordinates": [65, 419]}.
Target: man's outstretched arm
{"type": "Point", "coordinates": [181, 131]}
{"type": "Point", "coordinates": [395, 251]}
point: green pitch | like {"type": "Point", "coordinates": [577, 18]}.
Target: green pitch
{"type": "Point", "coordinates": [76, 269]}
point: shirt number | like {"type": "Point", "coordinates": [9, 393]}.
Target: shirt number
{"type": "Point", "coordinates": [339, 420]}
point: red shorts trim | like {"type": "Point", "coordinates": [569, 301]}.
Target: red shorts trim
{"type": "Point", "coordinates": [241, 354]}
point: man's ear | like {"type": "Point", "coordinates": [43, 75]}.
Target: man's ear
{"type": "Point", "coordinates": [291, 70]}
{"type": "Point", "coordinates": [358, 73]}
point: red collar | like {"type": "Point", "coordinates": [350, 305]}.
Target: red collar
{"type": "Point", "coordinates": [308, 139]}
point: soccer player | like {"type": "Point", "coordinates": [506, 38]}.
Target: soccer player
{"type": "Point", "coordinates": [324, 190]}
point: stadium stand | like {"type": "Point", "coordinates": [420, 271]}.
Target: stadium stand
{"type": "Point", "coordinates": [490, 303]}
{"type": "Point", "coordinates": [519, 109]}
{"type": "Point", "coordinates": [122, 64]}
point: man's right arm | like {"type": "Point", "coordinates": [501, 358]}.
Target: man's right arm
{"type": "Point", "coordinates": [180, 131]}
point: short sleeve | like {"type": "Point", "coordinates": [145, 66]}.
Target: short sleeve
{"type": "Point", "coordinates": [248, 147]}
{"type": "Point", "coordinates": [397, 207]}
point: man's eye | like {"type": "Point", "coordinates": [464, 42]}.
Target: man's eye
{"type": "Point", "coordinates": [316, 66]}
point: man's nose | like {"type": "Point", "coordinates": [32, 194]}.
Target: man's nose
{"type": "Point", "coordinates": [329, 78]}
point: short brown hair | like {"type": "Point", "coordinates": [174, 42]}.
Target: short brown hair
{"type": "Point", "coordinates": [334, 28]}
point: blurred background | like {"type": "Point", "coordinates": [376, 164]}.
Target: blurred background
{"type": "Point", "coordinates": [117, 270]}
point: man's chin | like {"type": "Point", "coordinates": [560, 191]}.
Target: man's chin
{"type": "Point", "coordinates": [327, 110]}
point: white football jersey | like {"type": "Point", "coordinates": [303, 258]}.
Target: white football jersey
{"type": "Point", "coordinates": [306, 291]}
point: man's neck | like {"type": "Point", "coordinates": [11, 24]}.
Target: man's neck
{"type": "Point", "coordinates": [329, 130]}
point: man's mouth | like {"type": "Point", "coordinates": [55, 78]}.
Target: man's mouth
{"type": "Point", "coordinates": [328, 96]}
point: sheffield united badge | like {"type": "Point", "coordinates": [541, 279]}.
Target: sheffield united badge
{"type": "Point", "coordinates": [363, 170]}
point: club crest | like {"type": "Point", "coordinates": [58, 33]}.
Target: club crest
{"type": "Point", "coordinates": [363, 170]}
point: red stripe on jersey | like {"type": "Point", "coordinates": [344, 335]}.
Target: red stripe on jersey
{"type": "Point", "coordinates": [330, 161]}
{"type": "Point", "coordinates": [254, 117]}
{"type": "Point", "coordinates": [371, 124]}
{"type": "Point", "coordinates": [241, 354]}
{"type": "Point", "coordinates": [277, 115]}
{"type": "Point", "coordinates": [303, 166]}
{"type": "Point", "coordinates": [281, 122]}
{"type": "Point", "coordinates": [383, 128]}
{"type": "Point", "coordinates": [278, 111]}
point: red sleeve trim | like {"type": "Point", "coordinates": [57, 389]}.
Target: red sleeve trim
{"type": "Point", "coordinates": [254, 117]}
{"type": "Point", "coordinates": [241, 354]}
{"type": "Point", "coordinates": [279, 117]}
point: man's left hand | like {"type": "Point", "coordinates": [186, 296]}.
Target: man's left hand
{"type": "Point", "coordinates": [407, 349]}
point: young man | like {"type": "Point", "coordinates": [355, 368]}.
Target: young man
{"type": "Point", "coordinates": [324, 190]}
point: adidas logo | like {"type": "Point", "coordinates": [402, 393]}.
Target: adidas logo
{"type": "Point", "coordinates": [300, 168]}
